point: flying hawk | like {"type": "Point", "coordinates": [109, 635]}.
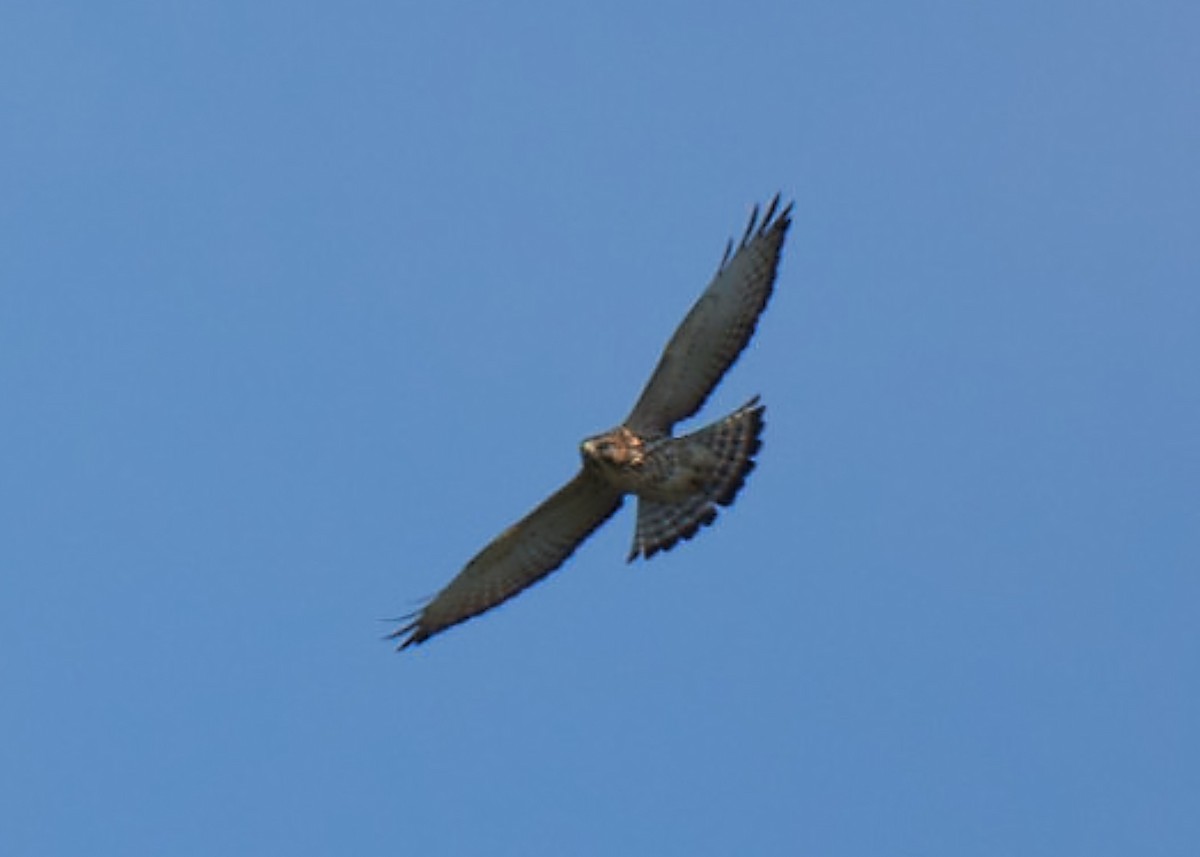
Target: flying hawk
{"type": "Point", "coordinates": [679, 481]}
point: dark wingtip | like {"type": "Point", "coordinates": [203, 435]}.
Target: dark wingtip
{"type": "Point", "coordinates": [409, 634]}
{"type": "Point", "coordinates": [773, 217]}
{"type": "Point", "coordinates": [776, 217]}
{"type": "Point", "coordinates": [750, 225]}
{"type": "Point", "coordinates": [770, 215]}
{"type": "Point", "coordinates": [725, 256]}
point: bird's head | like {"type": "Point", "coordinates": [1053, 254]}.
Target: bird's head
{"type": "Point", "coordinates": [617, 449]}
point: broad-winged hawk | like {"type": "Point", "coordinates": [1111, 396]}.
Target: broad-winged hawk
{"type": "Point", "coordinates": [679, 481]}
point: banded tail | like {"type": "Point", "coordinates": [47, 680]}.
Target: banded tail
{"type": "Point", "coordinates": [733, 441]}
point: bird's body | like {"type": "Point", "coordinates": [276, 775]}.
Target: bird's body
{"type": "Point", "coordinates": [679, 481]}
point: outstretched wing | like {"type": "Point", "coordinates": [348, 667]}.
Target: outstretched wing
{"type": "Point", "coordinates": [716, 329]}
{"type": "Point", "coordinates": [519, 557]}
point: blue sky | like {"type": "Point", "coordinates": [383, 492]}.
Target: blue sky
{"type": "Point", "coordinates": [299, 306]}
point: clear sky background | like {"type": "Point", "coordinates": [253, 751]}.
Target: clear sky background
{"type": "Point", "coordinates": [300, 305]}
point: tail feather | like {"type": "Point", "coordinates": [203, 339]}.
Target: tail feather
{"type": "Point", "coordinates": [733, 441]}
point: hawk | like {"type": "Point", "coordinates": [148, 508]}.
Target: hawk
{"type": "Point", "coordinates": [679, 481]}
